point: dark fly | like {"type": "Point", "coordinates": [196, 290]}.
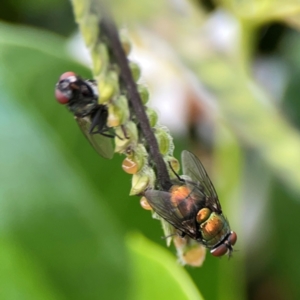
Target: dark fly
{"type": "Point", "coordinates": [81, 98]}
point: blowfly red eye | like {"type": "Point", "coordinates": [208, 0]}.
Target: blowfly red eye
{"type": "Point", "coordinates": [220, 250]}
{"type": "Point", "coordinates": [66, 75]}
{"type": "Point", "coordinates": [60, 97]}
{"type": "Point", "coordinates": [224, 248]}
{"type": "Point", "coordinates": [232, 238]}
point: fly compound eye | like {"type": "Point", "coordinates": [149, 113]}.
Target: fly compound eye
{"type": "Point", "coordinates": [66, 75]}
{"type": "Point", "coordinates": [226, 246]}
{"type": "Point", "coordinates": [62, 90]}
{"type": "Point", "coordinates": [61, 97]}
{"type": "Point", "coordinates": [232, 238]}
{"type": "Point", "coordinates": [220, 250]}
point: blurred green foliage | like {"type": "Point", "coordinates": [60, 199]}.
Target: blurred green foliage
{"type": "Point", "coordinates": [66, 219]}
{"type": "Point", "coordinates": [60, 237]}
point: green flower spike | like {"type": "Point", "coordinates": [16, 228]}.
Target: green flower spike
{"type": "Point", "coordinates": [147, 145]}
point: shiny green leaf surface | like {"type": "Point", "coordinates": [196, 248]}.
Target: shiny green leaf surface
{"type": "Point", "coordinates": [152, 266]}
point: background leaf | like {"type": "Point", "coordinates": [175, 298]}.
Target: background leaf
{"type": "Point", "coordinates": [62, 219]}
{"type": "Point", "coordinates": [152, 267]}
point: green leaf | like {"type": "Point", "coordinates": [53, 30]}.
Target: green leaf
{"type": "Point", "coordinates": [52, 213]}
{"type": "Point", "coordinates": [21, 275]}
{"type": "Point", "coordinates": [157, 275]}
{"type": "Point", "coordinates": [58, 237]}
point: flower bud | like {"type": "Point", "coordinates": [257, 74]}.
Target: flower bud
{"type": "Point", "coordinates": [152, 116]}
{"type": "Point", "coordinates": [135, 71]}
{"type": "Point", "coordinates": [126, 137]}
{"type": "Point", "coordinates": [141, 181]}
{"type": "Point", "coordinates": [126, 44]}
{"type": "Point", "coordinates": [90, 30]}
{"type": "Point", "coordinates": [118, 112]}
{"type": "Point", "coordinates": [144, 204]}
{"type": "Point", "coordinates": [144, 93]}
{"type": "Point", "coordinates": [163, 140]}
{"type": "Point", "coordinates": [189, 251]}
{"type": "Point", "coordinates": [100, 59]}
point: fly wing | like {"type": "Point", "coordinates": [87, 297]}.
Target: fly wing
{"type": "Point", "coordinates": [102, 144]}
{"type": "Point", "coordinates": [193, 168]}
{"type": "Point", "coordinates": [161, 203]}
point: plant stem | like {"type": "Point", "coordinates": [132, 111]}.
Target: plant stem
{"type": "Point", "coordinates": [108, 28]}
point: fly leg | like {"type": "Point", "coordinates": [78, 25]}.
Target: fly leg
{"type": "Point", "coordinates": [179, 178]}
{"type": "Point", "coordinates": [98, 124]}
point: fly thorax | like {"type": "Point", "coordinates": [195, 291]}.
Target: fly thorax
{"type": "Point", "coordinates": [202, 215]}
{"type": "Point", "coordinates": [181, 199]}
{"type": "Point", "coordinates": [213, 227]}
{"type": "Point", "coordinates": [82, 109]}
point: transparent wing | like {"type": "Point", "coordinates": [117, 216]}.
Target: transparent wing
{"type": "Point", "coordinates": [102, 144]}
{"type": "Point", "coordinates": [161, 203]}
{"type": "Point", "coordinates": [193, 168]}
